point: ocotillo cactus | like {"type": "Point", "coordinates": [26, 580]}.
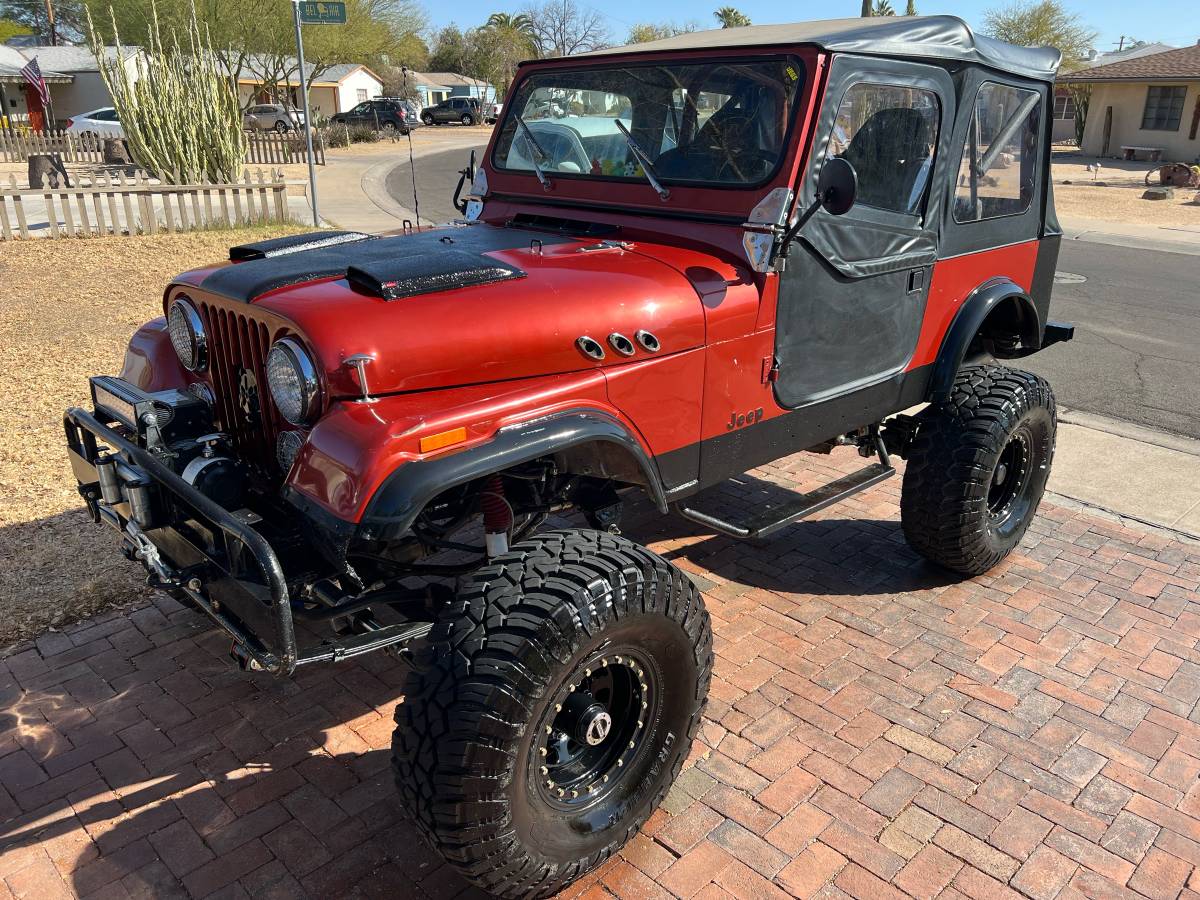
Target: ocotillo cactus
{"type": "Point", "coordinates": [178, 108]}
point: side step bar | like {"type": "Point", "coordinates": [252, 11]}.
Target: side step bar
{"type": "Point", "coordinates": [796, 507]}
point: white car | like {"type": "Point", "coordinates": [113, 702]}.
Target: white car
{"type": "Point", "coordinates": [92, 127]}
{"type": "Point", "coordinates": [493, 113]}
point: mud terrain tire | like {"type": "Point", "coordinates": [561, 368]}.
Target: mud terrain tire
{"type": "Point", "coordinates": [977, 468]}
{"type": "Point", "coordinates": [564, 615]}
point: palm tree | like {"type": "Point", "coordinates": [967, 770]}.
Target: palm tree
{"type": "Point", "coordinates": [511, 38]}
{"type": "Point", "coordinates": [911, 8]}
{"type": "Point", "coordinates": [882, 8]}
{"type": "Point", "coordinates": [731, 18]}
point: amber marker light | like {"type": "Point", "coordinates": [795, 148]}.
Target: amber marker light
{"type": "Point", "coordinates": [443, 439]}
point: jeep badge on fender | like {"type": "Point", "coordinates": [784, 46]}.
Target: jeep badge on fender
{"type": "Point", "coordinates": [679, 261]}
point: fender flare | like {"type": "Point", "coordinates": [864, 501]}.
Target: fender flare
{"type": "Point", "coordinates": [980, 303]}
{"type": "Point", "coordinates": [407, 490]}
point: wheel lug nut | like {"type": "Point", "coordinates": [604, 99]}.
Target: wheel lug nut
{"type": "Point", "coordinates": [574, 794]}
{"type": "Point", "coordinates": [545, 770]}
{"type": "Point", "coordinates": [558, 707]}
{"type": "Point", "coordinates": [547, 729]}
{"type": "Point", "coordinates": [561, 792]}
{"type": "Point", "coordinates": [542, 751]}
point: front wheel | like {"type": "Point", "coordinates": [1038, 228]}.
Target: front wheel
{"type": "Point", "coordinates": [977, 468]}
{"type": "Point", "coordinates": [282, 127]}
{"type": "Point", "coordinates": [428, 120]}
{"type": "Point", "coordinates": [467, 119]}
{"type": "Point", "coordinates": [552, 709]}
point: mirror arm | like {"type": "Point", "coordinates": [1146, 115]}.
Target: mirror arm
{"type": "Point", "coordinates": [791, 234]}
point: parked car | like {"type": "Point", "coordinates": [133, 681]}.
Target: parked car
{"type": "Point", "coordinates": [343, 443]}
{"type": "Point", "coordinates": [92, 127]}
{"type": "Point", "coordinates": [493, 113]}
{"type": "Point", "coordinates": [465, 110]}
{"type": "Point", "coordinates": [381, 114]}
{"type": "Point", "coordinates": [272, 117]}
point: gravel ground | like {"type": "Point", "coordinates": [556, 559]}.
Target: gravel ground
{"type": "Point", "coordinates": [1120, 199]}
{"type": "Point", "coordinates": [67, 309]}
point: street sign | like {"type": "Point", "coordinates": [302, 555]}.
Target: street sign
{"type": "Point", "coordinates": [322, 12]}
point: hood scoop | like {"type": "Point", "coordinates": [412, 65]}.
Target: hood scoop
{"type": "Point", "coordinates": [444, 270]}
{"type": "Point", "coordinates": [385, 267]}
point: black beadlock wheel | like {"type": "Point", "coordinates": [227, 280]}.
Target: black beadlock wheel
{"type": "Point", "coordinates": [552, 708]}
{"type": "Point", "coordinates": [977, 468]}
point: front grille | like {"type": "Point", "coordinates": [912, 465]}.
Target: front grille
{"type": "Point", "coordinates": [237, 349]}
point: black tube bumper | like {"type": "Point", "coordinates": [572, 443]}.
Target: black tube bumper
{"type": "Point", "coordinates": [195, 548]}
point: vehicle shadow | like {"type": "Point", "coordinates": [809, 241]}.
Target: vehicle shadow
{"type": "Point", "coordinates": [179, 775]}
{"type": "Point", "coordinates": [827, 554]}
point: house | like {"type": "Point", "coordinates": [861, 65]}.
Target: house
{"type": "Point", "coordinates": [1064, 103]}
{"type": "Point", "coordinates": [336, 89]}
{"type": "Point", "coordinates": [71, 74]}
{"type": "Point", "coordinates": [1150, 102]}
{"type": "Point", "coordinates": [434, 87]}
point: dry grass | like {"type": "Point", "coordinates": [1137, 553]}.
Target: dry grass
{"type": "Point", "coordinates": [67, 309]}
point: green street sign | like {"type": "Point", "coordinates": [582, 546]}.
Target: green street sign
{"type": "Point", "coordinates": [322, 12]}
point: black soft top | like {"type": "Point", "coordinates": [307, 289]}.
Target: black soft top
{"type": "Point", "coordinates": [911, 37]}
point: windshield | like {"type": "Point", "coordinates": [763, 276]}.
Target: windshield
{"type": "Point", "coordinates": [722, 124]}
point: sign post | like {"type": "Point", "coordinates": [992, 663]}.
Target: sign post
{"type": "Point", "coordinates": [313, 12]}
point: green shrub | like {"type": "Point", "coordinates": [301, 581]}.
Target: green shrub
{"type": "Point", "coordinates": [363, 134]}
{"type": "Point", "coordinates": [335, 136]}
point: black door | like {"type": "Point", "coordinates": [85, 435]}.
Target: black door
{"type": "Point", "coordinates": [852, 298]}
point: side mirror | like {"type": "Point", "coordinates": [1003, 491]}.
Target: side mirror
{"type": "Point", "coordinates": [837, 186]}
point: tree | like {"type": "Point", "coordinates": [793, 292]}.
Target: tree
{"type": "Point", "coordinates": [9, 28]}
{"type": "Point", "coordinates": [866, 9]}
{"type": "Point", "coordinates": [565, 27]}
{"type": "Point", "coordinates": [264, 44]}
{"type": "Point", "coordinates": [68, 20]}
{"type": "Point", "coordinates": [1042, 23]}
{"type": "Point", "coordinates": [911, 8]}
{"type": "Point", "coordinates": [500, 45]}
{"type": "Point", "coordinates": [729, 17]}
{"type": "Point", "coordinates": [449, 53]}
{"type": "Point", "coordinates": [882, 8]}
{"type": "Point", "coordinates": [649, 31]}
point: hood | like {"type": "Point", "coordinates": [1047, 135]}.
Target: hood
{"type": "Point", "coordinates": [462, 306]}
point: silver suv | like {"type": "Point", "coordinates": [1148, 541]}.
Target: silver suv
{"type": "Point", "coordinates": [272, 117]}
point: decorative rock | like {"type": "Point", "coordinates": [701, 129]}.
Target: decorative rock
{"type": "Point", "coordinates": [1163, 193]}
{"type": "Point", "coordinates": [47, 167]}
{"type": "Point", "coordinates": [116, 152]}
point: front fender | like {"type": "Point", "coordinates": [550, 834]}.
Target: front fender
{"type": "Point", "coordinates": [985, 300]}
{"type": "Point", "coordinates": [410, 488]}
{"type": "Point", "coordinates": [151, 361]}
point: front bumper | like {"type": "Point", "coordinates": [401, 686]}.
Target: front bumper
{"type": "Point", "coordinates": [194, 548]}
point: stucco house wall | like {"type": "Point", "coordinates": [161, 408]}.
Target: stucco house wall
{"type": "Point", "coordinates": [1128, 103]}
{"type": "Point", "coordinates": [355, 87]}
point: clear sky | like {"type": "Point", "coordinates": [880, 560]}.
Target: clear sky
{"type": "Point", "coordinates": [1169, 21]}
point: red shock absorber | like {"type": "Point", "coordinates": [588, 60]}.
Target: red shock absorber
{"type": "Point", "coordinates": [497, 516]}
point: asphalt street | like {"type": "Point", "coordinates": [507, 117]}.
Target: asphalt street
{"type": "Point", "coordinates": [1136, 353]}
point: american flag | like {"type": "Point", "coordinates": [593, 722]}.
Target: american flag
{"type": "Point", "coordinates": [32, 73]}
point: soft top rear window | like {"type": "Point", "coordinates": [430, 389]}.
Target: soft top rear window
{"type": "Point", "coordinates": [714, 123]}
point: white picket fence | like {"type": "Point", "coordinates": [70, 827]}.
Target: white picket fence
{"type": "Point", "coordinates": [114, 203]}
{"type": "Point", "coordinates": [19, 145]}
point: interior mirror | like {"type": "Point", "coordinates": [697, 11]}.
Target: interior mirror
{"type": "Point", "coordinates": [837, 186]}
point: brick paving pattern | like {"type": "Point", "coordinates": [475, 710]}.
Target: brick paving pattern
{"type": "Point", "coordinates": [876, 729]}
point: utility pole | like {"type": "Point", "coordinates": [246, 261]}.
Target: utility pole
{"type": "Point", "coordinates": [312, 170]}
{"type": "Point", "coordinates": [52, 27]}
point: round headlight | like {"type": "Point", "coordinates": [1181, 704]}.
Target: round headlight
{"type": "Point", "coordinates": [187, 335]}
{"type": "Point", "coordinates": [293, 381]}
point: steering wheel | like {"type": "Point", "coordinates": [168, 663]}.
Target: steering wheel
{"type": "Point", "coordinates": [750, 165]}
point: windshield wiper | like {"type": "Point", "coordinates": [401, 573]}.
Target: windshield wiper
{"type": "Point", "coordinates": [537, 151]}
{"type": "Point", "coordinates": [647, 166]}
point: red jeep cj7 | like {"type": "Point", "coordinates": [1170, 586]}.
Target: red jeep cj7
{"type": "Point", "coordinates": [679, 261]}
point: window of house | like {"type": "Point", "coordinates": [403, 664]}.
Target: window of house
{"type": "Point", "coordinates": [1164, 107]}
{"type": "Point", "coordinates": [1064, 107]}
{"type": "Point", "coordinates": [361, 93]}
{"type": "Point", "coordinates": [997, 176]}
{"type": "Point", "coordinates": [889, 134]}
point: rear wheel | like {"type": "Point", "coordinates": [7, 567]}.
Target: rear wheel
{"type": "Point", "coordinates": [977, 468]}
{"type": "Point", "coordinates": [282, 127]}
{"type": "Point", "coordinates": [552, 709]}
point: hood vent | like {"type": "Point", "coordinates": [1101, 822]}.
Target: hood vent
{"type": "Point", "coordinates": [296, 243]}
{"type": "Point", "coordinates": [443, 271]}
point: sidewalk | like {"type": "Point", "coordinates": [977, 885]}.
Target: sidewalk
{"type": "Point", "coordinates": [1168, 238]}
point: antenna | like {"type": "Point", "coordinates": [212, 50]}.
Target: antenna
{"type": "Point", "coordinates": [412, 165]}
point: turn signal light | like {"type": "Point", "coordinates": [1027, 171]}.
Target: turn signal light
{"type": "Point", "coordinates": [443, 439]}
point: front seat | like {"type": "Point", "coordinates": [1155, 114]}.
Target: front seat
{"type": "Point", "coordinates": [891, 153]}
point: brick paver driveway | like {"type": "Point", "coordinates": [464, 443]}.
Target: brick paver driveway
{"type": "Point", "coordinates": [875, 729]}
